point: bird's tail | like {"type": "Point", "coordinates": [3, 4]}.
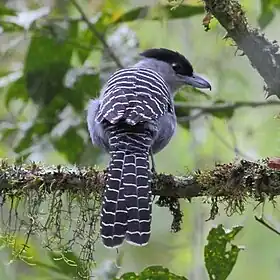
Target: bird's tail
{"type": "Point", "coordinates": [126, 211]}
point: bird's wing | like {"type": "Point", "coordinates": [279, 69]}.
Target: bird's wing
{"type": "Point", "coordinates": [133, 96]}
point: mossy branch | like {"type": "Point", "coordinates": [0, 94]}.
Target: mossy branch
{"type": "Point", "coordinates": [62, 204]}
{"type": "Point", "coordinates": [262, 53]}
{"type": "Point", "coordinates": [251, 179]}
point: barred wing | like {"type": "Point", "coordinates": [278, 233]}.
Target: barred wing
{"type": "Point", "coordinates": [134, 95]}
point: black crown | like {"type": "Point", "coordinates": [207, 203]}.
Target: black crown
{"type": "Point", "coordinates": [180, 64]}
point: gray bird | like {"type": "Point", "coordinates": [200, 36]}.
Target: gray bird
{"type": "Point", "coordinates": [133, 118]}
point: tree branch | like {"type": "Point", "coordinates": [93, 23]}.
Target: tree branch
{"type": "Point", "coordinates": [262, 53]}
{"type": "Point", "coordinates": [226, 106]}
{"type": "Point", "coordinates": [97, 34]}
{"type": "Point", "coordinates": [218, 108]}
{"type": "Point", "coordinates": [251, 179]}
{"type": "Point", "coordinates": [63, 204]}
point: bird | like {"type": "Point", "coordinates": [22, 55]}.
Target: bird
{"type": "Point", "coordinates": [132, 119]}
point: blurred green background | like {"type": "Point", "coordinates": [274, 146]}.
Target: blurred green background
{"type": "Point", "coordinates": [52, 64]}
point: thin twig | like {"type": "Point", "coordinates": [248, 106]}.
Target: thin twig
{"type": "Point", "coordinates": [190, 118]}
{"type": "Point", "coordinates": [96, 33]}
{"type": "Point", "coordinates": [263, 222]}
{"type": "Point", "coordinates": [211, 109]}
{"type": "Point", "coordinates": [234, 139]}
{"type": "Point", "coordinates": [226, 106]}
{"type": "Point", "coordinates": [225, 143]}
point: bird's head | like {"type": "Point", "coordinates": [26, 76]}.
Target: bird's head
{"type": "Point", "coordinates": [173, 67]}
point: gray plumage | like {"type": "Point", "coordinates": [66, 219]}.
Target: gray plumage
{"type": "Point", "coordinates": [134, 117]}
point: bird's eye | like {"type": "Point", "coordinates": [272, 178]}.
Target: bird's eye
{"type": "Point", "coordinates": [176, 67]}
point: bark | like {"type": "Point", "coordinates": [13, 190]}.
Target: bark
{"type": "Point", "coordinates": [262, 53]}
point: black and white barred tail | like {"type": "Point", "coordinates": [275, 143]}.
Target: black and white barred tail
{"type": "Point", "coordinates": [127, 206]}
{"type": "Point", "coordinates": [131, 105]}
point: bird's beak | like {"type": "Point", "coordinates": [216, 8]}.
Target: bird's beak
{"type": "Point", "coordinates": [196, 81]}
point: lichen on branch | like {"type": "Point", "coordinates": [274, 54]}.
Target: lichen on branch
{"type": "Point", "coordinates": [62, 204]}
{"type": "Point", "coordinates": [263, 54]}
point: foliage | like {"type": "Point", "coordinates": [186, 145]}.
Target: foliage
{"type": "Point", "coordinates": [152, 272]}
{"type": "Point", "coordinates": [268, 9]}
{"type": "Point", "coordinates": [56, 78]}
{"type": "Point", "coordinates": [219, 259]}
{"type": "Point", "coordinates": [65, 64]}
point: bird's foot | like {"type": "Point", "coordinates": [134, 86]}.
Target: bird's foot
{"type": "Point", "coordinates": [153, 168]}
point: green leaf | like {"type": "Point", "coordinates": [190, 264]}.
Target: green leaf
{"type": "Point", "coordinates": [46, 83]}
{"type": "Point", "coordinates": [87, 82]}
{"type": "Point", "coordinates": [8, 133]}
{"type": "Point", "coordinates": [5, 11]}
{"type": "Point", "coordinates": [47, 65]}
{"type": "Point", "coordinates": [10, 26]}
{"type": "Point", "coordinates": [47, 62]}
{"type": "Point", "coordinates": [134, 14]}
{"type": "Point", "coordinates": [71, 144]}
{"type": "Point", "coordinates": [222, 114]}
{"type": "Point", "coordinates": [4, 72]}
{"type": "Point", "coordinates": [152, 273]}
{"type": "Point", "coordinates": [183, 11]}
{"type": "Point", "coordinates": [268, 11]}
{"type": "Point", "coordinates": [86, 41]}
{"type": "Point", "coordinates": [219, 254]}
{"type": "Point", "coordinates": [37, 129]}
{"type": "Point", "coordinates": [16, 90]}
{"type": "Point", "coordinates": [84, 84]}
{"type": "Point", "coordinates": [267, 14]}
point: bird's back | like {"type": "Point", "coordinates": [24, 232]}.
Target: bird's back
{"type": "Point", "coordinates": [134, 95]}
